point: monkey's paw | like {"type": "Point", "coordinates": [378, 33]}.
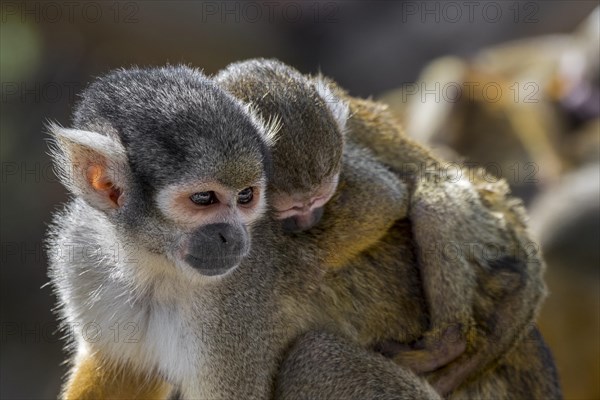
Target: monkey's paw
{"type": "Point", "coordinates": [431, 352]}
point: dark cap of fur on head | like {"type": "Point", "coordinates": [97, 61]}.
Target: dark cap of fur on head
{"type": "Point", "coordinates": [311, 137]}
{"type": "Point", "coordinates": [180, 124]}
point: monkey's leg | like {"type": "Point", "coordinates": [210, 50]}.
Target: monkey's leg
{"type": "Point", "coordinates": [444, 222]}
{"type": "Point", "coordinates": [505, 308]}
{"type": "Point", "coordinates": [509, 294]}
{"type": "Point", "coordinates": [491, 284]}
{"type": "Point", "coordinates": [323, 366]}
{"type": "Point", "coordinates": [93, 379]}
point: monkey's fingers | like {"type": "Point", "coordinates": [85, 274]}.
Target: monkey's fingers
{"type": "Point", "coordinates": [431, 352]}
{"type": "Point", "coordinates": [421, 361]}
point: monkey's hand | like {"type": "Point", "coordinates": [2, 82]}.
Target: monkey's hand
{"type": "Point", "coordinates": [434, 350]}
{"type": "Point", "coordinates": [452, 376]}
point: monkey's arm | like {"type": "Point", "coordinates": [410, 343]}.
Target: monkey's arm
{"type": "Point", "coordinates": [93, 379]}
{"type": "Point", "coordinates": [509, 290]}
{"type": "Point", "coordinates": [479, 274]}
{"type": "Point", "coordinates": [323, 366]}
{"type": "Point", "coordinates": [370, 198]}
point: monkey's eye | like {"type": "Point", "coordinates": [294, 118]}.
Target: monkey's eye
{"type": "Point", "coordinates": [204, 198]}
{"type": "Point", "coordinates": [245, 196]}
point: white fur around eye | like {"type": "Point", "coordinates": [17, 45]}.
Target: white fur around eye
{"type": "Point", "coordinates": [174, 203]}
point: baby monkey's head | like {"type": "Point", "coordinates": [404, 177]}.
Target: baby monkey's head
{"type": "Point", "coordinates": [307, 155]}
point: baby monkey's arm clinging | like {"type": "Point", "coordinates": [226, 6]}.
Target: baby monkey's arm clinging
{"type": "Point", "coordinates": [370, 199]}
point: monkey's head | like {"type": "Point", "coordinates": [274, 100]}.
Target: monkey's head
{"type": "Point", "coordinates": [177, 165]}
{"type": "Point", "coordinates": [307, 155]}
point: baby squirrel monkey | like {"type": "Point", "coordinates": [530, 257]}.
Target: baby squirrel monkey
{"type": "Point", "coordinates": [307, 164]}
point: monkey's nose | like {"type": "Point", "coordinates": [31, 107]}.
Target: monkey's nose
{"type": "Point", "coordinates": [214, 249]}
{"type": "Point", "coordinates": [223, 235]}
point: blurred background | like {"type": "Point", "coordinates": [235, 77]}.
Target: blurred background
{"type": "Point", "coordinates": [512, 86]}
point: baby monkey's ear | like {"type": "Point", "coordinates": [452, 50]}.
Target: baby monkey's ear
{"type": "Point", "coordinates": [91, 165]}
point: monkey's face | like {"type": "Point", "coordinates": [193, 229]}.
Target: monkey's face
{"type": "Point", "coordinates": [214, 220]}
{"type": "Point", "coordinates": [300, 211]}
{"type": "Point", "coordinates": [177, 164]}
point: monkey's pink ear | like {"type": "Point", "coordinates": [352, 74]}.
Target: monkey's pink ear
{"type": "Point", "coordinates": [91, 165]}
